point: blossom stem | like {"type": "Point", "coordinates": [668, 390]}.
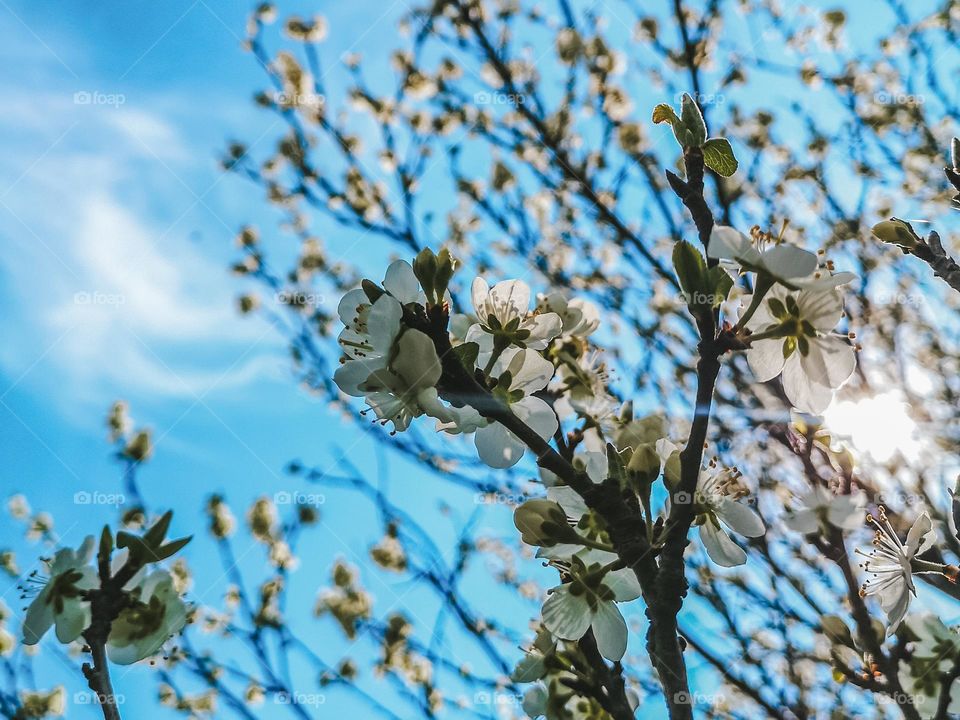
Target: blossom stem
{"type": "Point", "coordinates": [596, 545]}
{"type": "Point", "coordinates": [498, 347]}
{"type": "Point", "coordinates": [761, 288]}
{"type": "Point", "coordinates": [98, 678]}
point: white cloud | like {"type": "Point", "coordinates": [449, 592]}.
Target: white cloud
{"type": "Point", "coordinates": [104, 285]}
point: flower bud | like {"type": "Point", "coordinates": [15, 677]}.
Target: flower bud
{"type": "Point", "coordinates": [373, 291]}
{"type": "Point", "coordinates": [896, 232]}
{"type": "Point", "coordinates": [543, 523]}
{"type": "Point", "coordinates": [425, 268]}
{"type": "Point", "coordinates": [645, 460]}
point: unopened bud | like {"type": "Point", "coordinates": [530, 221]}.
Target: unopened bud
{"type": "Point", "coordinates": [373, 291]}
{"type": "Point", "coordinates": [896, 232]}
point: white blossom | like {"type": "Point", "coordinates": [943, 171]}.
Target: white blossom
{"type": "Point", "coordinates": [145, 624]}
{"type": "Point", "coordinates": [407, 388]}
{"type": "Point", "coordinates": [528, 372]}
{"type": "Point", "coordinates": [579, 318]}
{"type": "Point", "coordinates": [579, 605]}
{"type": "Point", "coordinates": [786, 264]}
{"type": "Point", "coordinates": [504, 318]}
{"type": "Point", "coordinates": [370, 329]}
{"type": "Point", "coordinates": [782, 261]}
{"type": "Point", "coordinates": [820, 507]}
{"type": "Point", "coordinates": [793, 339]}
{"type": "Point", "coordinates": [61, 600]}
{"type": "Point", "coordinates": [890, 565]}
{"type": "Point", "coordinates": [716, 502]}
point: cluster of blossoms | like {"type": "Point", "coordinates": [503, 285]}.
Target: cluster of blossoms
{"type": "Point", "coordinates": [532, 362]}
{"type": "Point", "coordinates": [141, 608]}
{"type": "Point", "coordinates": [790, 317]}
{"type": "Point", "coordinates": [391, 354]}
{"type": "Point", "coordinates": [517, 374]}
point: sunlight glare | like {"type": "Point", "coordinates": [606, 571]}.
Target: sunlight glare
{"type": "Point", "coordinates": [877, 426]}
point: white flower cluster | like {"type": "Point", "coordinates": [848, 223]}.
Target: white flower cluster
{"type": "Point", "coordinates": [790, 317]}
{"type": "Point", "coordinates": [536, 362]}
{"type": "Point", "coordinates": [118, 603]}
{"type": "Point", "coordinates": [390, 359]}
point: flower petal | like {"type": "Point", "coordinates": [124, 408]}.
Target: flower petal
{"type": "Point", "coordinates": [542, 328]}
{"type": "Point", "coordinates": [740, 518]}
{"type": "Point", "coordinates": [789, 261]}
{"type": "Point", "coordinates": [921, 535]}
{"type": "Point", "coordinates": [829, 362]}
{"type": "Point", "coordinates": [354, 373]}
{"type": "Point", "coordinates": [479, 292]}
{"type": "Point", "coordinates": [766, 359]}
{"type": "Point", "coordinates": [73, 620]}
{"type": "Point", "coordinates": [537, 415]}
{"type": "Point", "coordinates": [401, 282]}
{"type": "Point", "coordinates": [731, 244]}
{"type": "Point", "coordinates": [804, 394]}
{"type": "Point", "coordinates": [721, 549]}
{"type": "Point", "coordinates": [39, 618]}
{"type": "Point", "coordinates": [821, 308]}
{"type": "Point", "coordinates": [566, 615]}
{"type": "Point", "coordinates": [497, 446]}
{"type": "Point", "coordinates": [529, 371]}
{"type": "Point", "coordinates": [610, 631]}
{"type": "Point", "coordinates": [417, 362]}
{"type": "Point", "coordinates": [568, 498]}
{"type": "Point", "coordinates": [510, 299]}
{"type": "Point", "coordinates": [624, 584]}
{"type": "Point", "coordinates": [350, 304]}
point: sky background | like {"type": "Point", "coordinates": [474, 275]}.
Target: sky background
{"type": "Point", "coordinates": [117, 228]}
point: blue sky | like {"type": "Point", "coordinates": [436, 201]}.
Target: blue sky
{"type": "Point", "coordinates": [117, 226]}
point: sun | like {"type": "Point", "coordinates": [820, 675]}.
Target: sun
{"type": "Point", "coordinates": [878, 426]}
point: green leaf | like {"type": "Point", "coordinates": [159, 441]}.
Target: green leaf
{"type": "Point", "coordinates": [691, 270]}
{"type": "Point", "coordinates": [171, 548]}
{"type": "Point", "coordinates": [467, 353]}
{"type": "Point", "coordinates": [663, 113]}
{"type": "Point", "coordinates": [719, 157]}
{"type": "Point", "coordinates": [132, 542]}
{"type": "Point", "coordinates": [693, 123]}
{"type": "Point", "coordinates": [720, 282]}
{"type": "Point", "coordinates": [155, 535]}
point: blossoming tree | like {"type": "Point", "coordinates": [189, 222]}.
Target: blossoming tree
{"type": "Point", "coordinates": [642, 353]}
